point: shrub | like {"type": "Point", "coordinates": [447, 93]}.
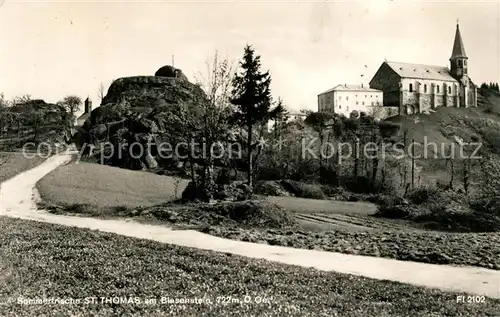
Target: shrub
{"type": "Point", "coordinates": [270, 188]}
{"type": "Point", "coordinates": [303, 190]}
{"type": "Point", "coordinates": [422, 195]}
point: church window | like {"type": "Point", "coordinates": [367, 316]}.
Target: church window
{"type": "Point", "coordinates": [347, 98]}
{"type": "Point", "coordinates": [437, 88]}
{"type": "Point", "coordinates": [373, 104]}
{"type": "Point", "coordinates": [363, 103]}
{"type": "Point", "coordinates": [357, 102]}
{"type": "Point", "coordinates": [459, 63]}
{"type": "Point", "coordinates": [449, 89]}
{"type": "Point", "coordinates": [411, 88]}
{"type": "Point", "coordinates": [465, 62]}
{"type": "Point", "coordinates": [425, 88]}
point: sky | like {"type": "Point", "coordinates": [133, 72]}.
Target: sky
{"type": "Point", "coordinates": [50, 49]}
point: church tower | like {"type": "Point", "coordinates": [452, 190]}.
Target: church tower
{"type": "Point", "coordinates": [88, 105]}
{"type": "Point", "coordinates": [458, 59]}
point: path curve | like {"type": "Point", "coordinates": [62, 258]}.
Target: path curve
{"type": "Point", "coordinates": [18, 195]}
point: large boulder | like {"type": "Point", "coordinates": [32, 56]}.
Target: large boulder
{"type": "Point", "coordinates": [137, 110]}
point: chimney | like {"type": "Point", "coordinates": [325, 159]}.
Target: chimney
{"type": "Point", "coordinates": [88, 105]}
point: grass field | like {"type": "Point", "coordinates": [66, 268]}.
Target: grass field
{"type": "Point", "coordinates": [40, 261]}
{"type": "Point", "coordinates": [12, 164]}
{"type": "Point", "coordinates": [102, 185]}
{"type": "Point", "coordinates": [345, 227]}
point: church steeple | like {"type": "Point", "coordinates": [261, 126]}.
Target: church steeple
{"type": "Point", "coordinates": [458, 59]}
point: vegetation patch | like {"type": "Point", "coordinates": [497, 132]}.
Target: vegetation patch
{"type": "Point", "coordinates": [12, 164]}
{"type": "Point", "coordinates": [266, 223]}
{"type": "Point", "coordinates": [438, 209]}
{"type": "Point", "coordinates": [63, 262]}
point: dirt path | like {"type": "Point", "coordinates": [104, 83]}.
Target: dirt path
{"type": "Point", "coordinates": [17, 200]}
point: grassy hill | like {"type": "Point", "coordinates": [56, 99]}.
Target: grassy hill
{"type": "Point", "coordinates": [447, 126]}
{"type": "Point", "coordinates": [106, 186]}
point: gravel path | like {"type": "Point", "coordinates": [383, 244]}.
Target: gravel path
{"type": "Point", "coordinates": [17, 202]}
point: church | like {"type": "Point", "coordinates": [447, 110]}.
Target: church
{"type": "Point", "coordinates": [416, 88]}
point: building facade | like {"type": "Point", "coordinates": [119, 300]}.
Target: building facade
{"type": "Point", "coordinates": [86, 114]}
{"type": "Point", "coordinates": [343, 99]}
{"type": "Point", "coordinates": [415, 88]}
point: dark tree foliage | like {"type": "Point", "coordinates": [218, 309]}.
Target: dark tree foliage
{"type": "Point", "coordinates": [251, 96]}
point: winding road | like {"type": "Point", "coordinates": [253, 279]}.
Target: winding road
{"type": "Point", "coordinates": [18, 200]}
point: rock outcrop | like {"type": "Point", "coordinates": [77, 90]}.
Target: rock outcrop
{"type": "Point", "coordinates": [136, 110]}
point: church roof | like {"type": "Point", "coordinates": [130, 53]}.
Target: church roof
{"type": "Point", "coordinates": [420, 71]}
{"type": "Point", "coordinates": [458, 45]}
{"type": "Point", "coordinates": [351, 88]}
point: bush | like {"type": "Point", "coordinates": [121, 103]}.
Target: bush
{"type": "Point", "coordinates": [303, 190]}
{"type": "Point", "coordinates": [270, 188]}
{"type": "Point", "coordinates": [395, 211]}
{"type": "Point", "coordinates": [422, 195]}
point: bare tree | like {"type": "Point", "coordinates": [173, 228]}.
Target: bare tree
{"type": "Point", "coordinates": [72, 105]}
{"type": "Point", "coordinates": [101, 91]}
{"type": "Point", "coordinates": [21, 99]}
{"type": "Point", "coordinates": [217, 111]}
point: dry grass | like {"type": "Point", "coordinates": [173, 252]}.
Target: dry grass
{"type": "Point", "coordinates": [105, 186]}
{"type": "Point", "coordinates": [12, 164]}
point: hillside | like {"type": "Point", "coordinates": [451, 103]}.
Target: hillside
{"type": "Point", "coordinates": [448, 126]}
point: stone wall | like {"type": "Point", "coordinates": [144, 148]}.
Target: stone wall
{"type": "Point", "coordinates": [381, 113]}
{"type": "Point", "coordinates": [426, 102]}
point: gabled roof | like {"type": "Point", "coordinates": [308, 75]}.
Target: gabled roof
{"type": "Point", "coordinates": [420, 71]}
{"type": "Point", "coordinates": [351, 88]}
{"type": "Point", "coordinates": [84, 116]}
{"type": "Point", "coordinates": [458, 46]}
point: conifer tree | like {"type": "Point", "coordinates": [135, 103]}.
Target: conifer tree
{"type": "Point", "coordinates": [251, 96]}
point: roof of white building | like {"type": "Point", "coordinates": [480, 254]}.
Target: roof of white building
{"type": "Point", "coordinates": [351, 88]}
{"type": "Point", "coordinates": [419, 71]}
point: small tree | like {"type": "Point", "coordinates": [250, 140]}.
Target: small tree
{"type": "Point", "coordinates": [321, 122]}
{"type": "Point", "coordinates": [101, 91]}
{"type": "Point", "coordinates": [216, 113]}
{"type": "Point", "coordinates": [251, 95]}
{"type": "Point", "coordinates": [72, 104]}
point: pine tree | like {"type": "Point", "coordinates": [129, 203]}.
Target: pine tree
{"type": "Point", "coordinates": [252, 97]}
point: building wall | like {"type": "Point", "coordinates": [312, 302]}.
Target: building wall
{"type": "Point", "coordinates": [344, 102]}
{"type": "Point", "coordinates": [417, 95]}
{"type": "Point", "coordinates": [386, 80]}
{"type": "Point", "coordinates": [325, 102]}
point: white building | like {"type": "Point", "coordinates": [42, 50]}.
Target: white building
{"type": "Point", "coordinates": [293, 116]}
{"type": "Point", "coordinates": [343, 99]}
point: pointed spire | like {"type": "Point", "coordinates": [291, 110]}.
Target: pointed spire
{"type": "Point", "coordinates": [458, 45]}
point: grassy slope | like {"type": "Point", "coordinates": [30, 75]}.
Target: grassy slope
{"type": "Point", "coordinates": [16, 163]}
{"type": "Point", "coordinates": [441, 126]}
{"type": "Point", "coordinates": [101, 185]}
{"type": "Point", "coordinates": [40, 260]}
